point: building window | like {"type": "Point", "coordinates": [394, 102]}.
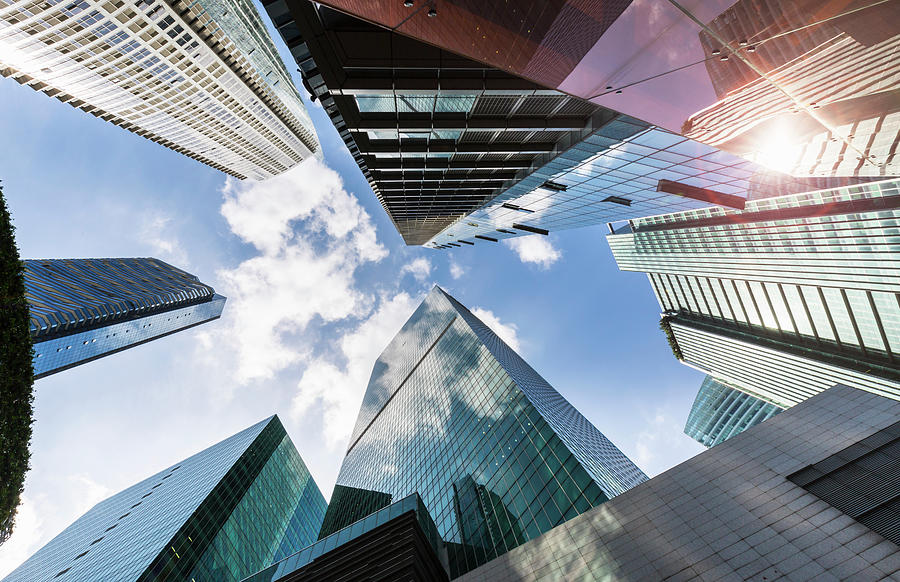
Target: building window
{"type": "Point", "coordinates": [415, 103]}
{"type": "Point", "coordinates": [455, 104]}
{"type": "Point", "coordinates": [375, 104]}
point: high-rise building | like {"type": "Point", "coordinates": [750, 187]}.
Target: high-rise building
{"type": "Point", "coordinates": [201, 78]}
{"type": "Point", "coordinates": [433, 133]}
{"type": "Point", "coordinates": [496, 454]}
{"type": "Point", "coordinates": [801, 86]}
{"type": "Point", "coordinates": [84, 309]}
{"type": "Point", "coordinates": [810, 494]}
{"type": "Point", "coordinates": [461, 152]}
{"type": "Point", "coordinates": [219, 515]}
{"type": "Point", "coordinates": [785, 298]}
{"type": "Point", "coordinates": [720, 412]}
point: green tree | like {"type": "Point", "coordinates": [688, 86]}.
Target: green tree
{"type": "Point", "coordinates": [16, 376]}
{"type": "Point", "coordinates": [666, 327]}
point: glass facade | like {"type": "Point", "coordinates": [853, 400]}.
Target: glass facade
{"type": "Point", "coordinates": [610, 175]}
{"type": "Point", "coordinates": [201, 78]}
{"type": "Point", "coordinates": [61, 353]}
{"type": "Point", "coordinates": [782, 372]}
{"type": "Point", "coordinates": [217, 516]}
{"type": "Point", "coordinates": [720, 412]}
{"type": "Point", "coordinates": [84, 309]}
{"type": "Point", "coordinates": [461, 152]}
{"type": "Point", "coordinates": [435, 134]}
{"type": "Point", "coordinates": [801, 86]}
{"type": "Point", "coordinates": [497, 455]}
{"type": "Point", "coordinates": [816, 272]}
{"type": "Point", "coordinates": [349, 504]}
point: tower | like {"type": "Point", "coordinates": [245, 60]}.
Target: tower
{"type": "Point", "coordinates": [84, 309]}
{"type": "Point", "coordinates": [203, 78]}
{"type": "Point", "coordinates": [785, 298]}
{"type": "Point", "coordinates": [476, 124]}
{"type": "Point", "coordinates": [719, 412]}
{"type": "Point", "coordinates": [217, 516]}
{"type": "Point", "coordinates": [497, 455]}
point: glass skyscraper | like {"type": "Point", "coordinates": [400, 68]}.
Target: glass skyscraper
{"type": "Point", "coordinates": [802, 86]}
{"type": "Point", "coordinates": [201, 78]}
{"type": "Point", "coordinates": [496, 454]}
{"type": "Point", "coordinates": [467, 122]}
{"type": "Point", "coordinates": [783, 299]}
{"type": "Point", "coordinates": [84, 309]}
{"type": "Point", "coordinates": [217, 516]}
{"type": "Point", "coordinates": [720, 412]}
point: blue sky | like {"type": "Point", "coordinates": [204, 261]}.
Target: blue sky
{"type": "Point", "coordinates": [318, 281]}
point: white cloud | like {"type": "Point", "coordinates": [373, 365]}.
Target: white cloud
{"type": "Point", "coordinates": [508, 332]}
{"type": "Point", "coordinates": [89, 492]}
{"type": "Point", "coordinates": [419, 268]}
{"type": "Point", "coordinates": [41, 517]}
{"type": "Point", "coordinates": [534, 249]}
{"type": "Point", "coordinates": [456, 270]}
{"type": "Point", "coordinates": [265, 213]}
{"type": "Point", "coordinates": [157, 233]}
{"type": "Point", "coordinates": [28, 534]}
{"type": "Point", "coordinates": [312, 236]}
{"type": "Point", "coordinates": [649, 439]}
{"type": "Point", "coordinates": [297, 303]}
{"type": "Point", "coordinates": [337, 388]}
{"type": "Point", "coordinates": [663, 440]}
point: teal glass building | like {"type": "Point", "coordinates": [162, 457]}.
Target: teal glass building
{"type": "Point", "coordinates": [217, 516]}
{"type": "Point", "coordinates": [496, 454]}
{"type": "Point", "coordinates": [84, 309]}
{"type": "Point", "coordinates": [720, 412]}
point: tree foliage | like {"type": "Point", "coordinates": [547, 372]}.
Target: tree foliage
{"type": "Point", "coordinates": [666, 327]}
{"type": "Point", "coordinates": [16, 376]}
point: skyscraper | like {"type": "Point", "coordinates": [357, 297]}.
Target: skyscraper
{"type": "Point", "coordinates": [720, 412]}
{"type": "Point", "coordinates": [809, 495]}
{"type": "Point", "coordinates": [219, 515]}
{"type": "Point", "coordinates": [84, 309]}
{"type": "Point", "coordinates": [202, 78]}
{"type": "Point", "coordinates": [785, 298]}
{"type": "Point", "coordinates": [464, 153]}
{"type": "Point", "coordinates": [496, 454]}
{"type": "Point", "coordinates": [799, 85]}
